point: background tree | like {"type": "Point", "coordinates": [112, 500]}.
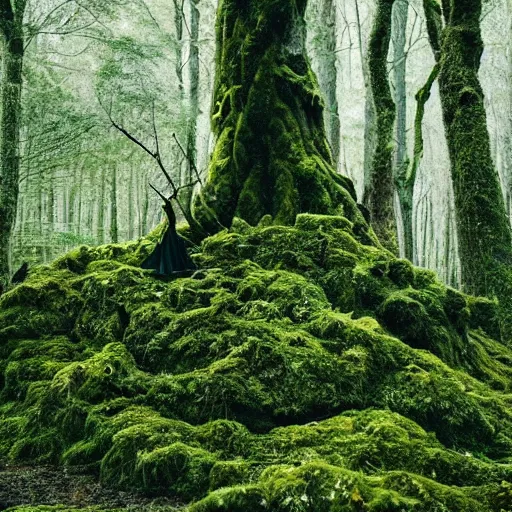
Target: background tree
{"type": "Point", "coordinates": [485, 241]}
{"type": "Point", "coordinates": [321, 16]}
{"type": "Point", "coordinates": [379, 194]}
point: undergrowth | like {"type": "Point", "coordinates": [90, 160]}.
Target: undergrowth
{"type": "Point", "coordinates": [298, 370]}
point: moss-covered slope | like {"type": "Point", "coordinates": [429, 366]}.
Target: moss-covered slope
{"type": "Point", "coordinates": [298, 370]}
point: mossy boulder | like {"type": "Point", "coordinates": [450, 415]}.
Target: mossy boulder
{"type": "Point", "coordinates": [299, 369]}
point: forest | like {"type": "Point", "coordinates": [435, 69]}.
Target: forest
{"type": "Point", "coordinates": [320, 319]}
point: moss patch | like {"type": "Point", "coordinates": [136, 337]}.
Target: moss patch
{"type": "Point", "coordinates": [298, 369]}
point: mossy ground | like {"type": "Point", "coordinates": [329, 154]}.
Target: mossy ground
{"type": "Point", "coordinates": [298, 370]}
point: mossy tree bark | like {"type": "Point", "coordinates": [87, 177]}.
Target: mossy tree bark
{"type": "Point", "coordinates": [271, 155]}
{"type": "Point", "coordinates": [379, 194]}
{"type": "Point", "coordinates": [11, 30]}
{"type": "Point", "coordinates": [485, 241]}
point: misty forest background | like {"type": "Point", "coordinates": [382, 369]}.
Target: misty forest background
{"type": "Point", "coordinates": [148, 66]}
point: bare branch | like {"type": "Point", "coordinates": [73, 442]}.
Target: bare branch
{"type": "Point", "coordinates": [192, 163]}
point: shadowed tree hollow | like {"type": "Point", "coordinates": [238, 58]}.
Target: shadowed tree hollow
{"type": "Point", "coordinates": [271, 154]}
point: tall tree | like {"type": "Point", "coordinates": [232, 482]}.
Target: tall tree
{"type": "Point", "coordinates": [485, 241]}
{"type": "Point", "coordinates": [406, 174]}
{"type": "Point", "coordinates": [11, 29]}
{"type": "Point", "coordinates": [379, 194]}
{"type": "Point", "coordinates": [193, 99]}
{"type": "Point", "coordinates": [271, 154]}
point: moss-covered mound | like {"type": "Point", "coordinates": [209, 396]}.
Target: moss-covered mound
{"type": "Point", "coordinates": [298, 370]}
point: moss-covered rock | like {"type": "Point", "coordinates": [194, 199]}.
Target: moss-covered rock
{"type": "Point", "coordinates": [298, 369]}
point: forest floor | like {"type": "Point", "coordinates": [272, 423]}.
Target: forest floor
{"type": "Point", "coordinates": [302, 369]}
{"type": "Point", "coordinates": [73, 487]}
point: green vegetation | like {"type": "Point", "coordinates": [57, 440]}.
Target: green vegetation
{"type": "Point", "coordinates": [298, 370]}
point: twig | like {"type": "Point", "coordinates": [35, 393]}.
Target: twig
{"type": "Point", "coordinates": [192, 163]}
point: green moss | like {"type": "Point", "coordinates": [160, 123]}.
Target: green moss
{"type": "Point", "coordinates": [229, 473]}
{"type": "Point", "coordinates": [484, 313]}
{"type": "Point", "coordinates": [296, 358]}
{"type": "Point", "coordinates": [233, 499]}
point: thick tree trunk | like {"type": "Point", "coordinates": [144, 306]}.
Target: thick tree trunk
{"type": "Point", "coordinates": [379, 195]}
{"type": "Point", "coordinates": [271, 155]}
{"type": "Point", "coordinates": [11, 27]}
{"type": "Point", "coordinates": [485, 242]}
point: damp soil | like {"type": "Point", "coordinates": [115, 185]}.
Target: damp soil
{"type": "Point", "coordinates": [74, 487]}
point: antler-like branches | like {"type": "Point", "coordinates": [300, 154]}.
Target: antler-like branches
{"type": "Point", "coordinates": [155, 155]}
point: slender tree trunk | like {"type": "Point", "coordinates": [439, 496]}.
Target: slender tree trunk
{"type": "Point", "coordinates": [89, 209]}
{"type": "Point", "coordinates": [72, 208]}
{"type": "Point", "coordinates": [145, 209]}
{"type": "Point", "coordinates": [11, 28]}
{"type": "Point", "coordinates": [193, 98]}
{"type": "Point", "coordinates": [114, 229]}
{"type": "Point", "coordinates": [485, 241]}
{"type": "Point", "coordinates": [406, 173]}
{"type": "Point", "coordinates": [178, 51]}
{"type": "Point", "coordinates": [131, 205]}
{"type": "Point", "coordinates": [80, 198]}
{"type": "Point", "coordinates": [101, 207]}
{"type": "Point", "coordinates": [400, 17]}
{"type": "Point", "coordinates": [379, 196]}
{"type": "Point", "coordinates": [401, 161]}
{"type": "Point", "coordinates": [324, 54]}
{"type": "Point", "coordinates": [370, 116]}
{"type": "Point", "coordinates": [50, 216]}
{"type": "Point", "coordinates": [508, 147]}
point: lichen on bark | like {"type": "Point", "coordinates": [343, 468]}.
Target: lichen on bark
{"type": "Point", "coordinates": [271, 154]}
